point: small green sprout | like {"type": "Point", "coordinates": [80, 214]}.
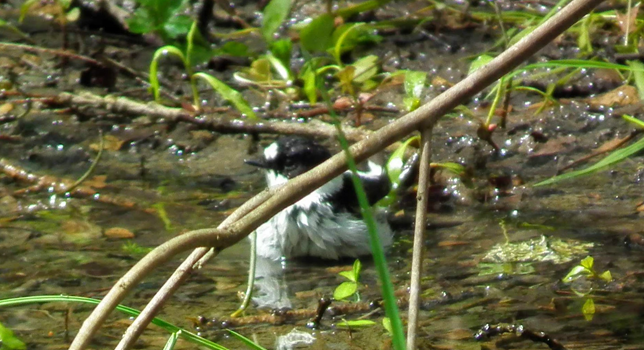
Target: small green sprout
{"type": "Point", "coordinates": [585, 268]}
{"type": "Point", "coordinates": [350, 287]}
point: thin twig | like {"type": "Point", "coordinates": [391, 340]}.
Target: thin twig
{"type": "Point", "coordinates": [297, 188]}
{"type": "Point", "coordinates": [61, 53]}
{"type": "Point", "coordinates": [251, 276]}
{"type": "Point", "coordinates": [419, 239]}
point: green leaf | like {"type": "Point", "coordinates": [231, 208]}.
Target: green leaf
{"type": "Point", "coordinates": [638, 74]}
{"type": "Point", "coordinates": [280, 68]}
{"type": "Point", "coordinates": [316, 36]}
{"type": "Point", "coordinates": [346, 76]}
{"type": "Point", "coordinates": [177, 26]}
{"type": "Point", "coordinates": [479, 62]}
{"type": "Point", "coordinates": [172, 341]}
{"type": "Point", "coordinates": [575, 273]}
{"type": "Point", "coordinates": [588, 262]}
{"type": "Point", "coordinates": [140, 22]}
{"type": "Point", "coordinates": [355, 323]}
{"type": "Point", "coordinates": [228, 93]}
{"type": "Point", "coordinates": [154, 64]}
{"type": "Point", "coordinates": [24, 9]}
{"type": "Point", "coordinates": [386, 323]}
{"type": "Point", "coordinates": [345, 290]}
{"type": "Point", "coordinates": [251, 344]}
{"type": "Point", "coordinates": [282, 49]}
{"type": "Point", "coordinates": [606, 276]}
{"type": "Point", "coordinates": [588, 309]}
{"type": "Point", "coordinates": [357, 268]}
{"type": "Point", "coordinates": [274, 14]}
{"type": "Point", "coordinates": [638, 123]}
{"type": "Point", "coordinates": [613, 158]}
{"type": "Point", "coordinates": [234, 48]}
{"type": "Point", "coordinates": [310, 86]}
{"type": "Point", "coordinates": [348, 275]}
{"type": "Point", "coordinates": [9, 341]}
{"type": "Point", "coordinates": [396, 162]}
{"type": "Point", "coordinates": [414, 83]}
{"type": "Point", "coordinates": [411, 103]}
{"type": "Point", "coordinates": [73, 15]}
{"type": "Point", "coordinates": [365, 68]}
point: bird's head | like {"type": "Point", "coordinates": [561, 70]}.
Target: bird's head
{"type": "Point", "coordinates": [291, 156]}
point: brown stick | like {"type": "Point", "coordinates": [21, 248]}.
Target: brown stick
{"type": "Point", "coordinates": [214, 123]}
{"type": "Point", "coordinates": [424, 117]}
{"type": "Point", "coordinates": [419, 237]}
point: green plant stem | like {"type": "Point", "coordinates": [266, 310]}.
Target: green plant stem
{"type": "Point", "coordinates": [39, 299]}
{"type": "Point", "coordinates": [497, 98]}
{"type": "Point", "coordinates": [387, 289]}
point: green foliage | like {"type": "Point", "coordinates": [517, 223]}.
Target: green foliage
{"type": "Point", "coordinates": [184, 334]}
{"type": "Point", "coordinates": [9, 341]}
{"type": "Point", "coordinates": [172, 341]}
{"type": "Point", "coordinates": [613, 158]}
{"type": "Point", "coordinates": [316, 36]}
{"type": "Point", "coordinates": [585, 268]}
{"type": "Point", "coordinates": [414, 85]}
{"type": "Point", "coordinates": [228, 93]}
{"type": "Point", "coordinates": [132, 248]}
{"type": "Point", "coordinates": [588, 309]}
{"type": "Point", "coordinates": [274, 14]}
{"type": "Point", "coordinates": [161, 17]}
{"type": "Point", "coordinates": [350, 287]}
{"type": "Point", "coordinates": [249, 343]}
{"type": "Point", "coordinates": [347, 36]}
{"type": "Point", "coordinates": [394, 167]}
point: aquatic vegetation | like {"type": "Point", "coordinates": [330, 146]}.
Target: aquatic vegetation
{"type": "Point", "coordinates": [9, 340]}
{"type": "Point", "coordinates": [162, 17]}
{"type": "Point", "coordinates": [349, 288]}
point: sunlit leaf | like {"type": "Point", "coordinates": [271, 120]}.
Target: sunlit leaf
{"type": "Point", "coordinates": [73, 15]}
{"type": "Point", "coordinates": [588, 309]}
{"type": "Point", "coordinates": [140, 22]}
{"type": "Point", "coordinates": [361, 7]}
{"type": "Point", "coordinates": [638, 74]}
{"type": "Point", "coordinates": [396, 162]}
{"type": "Point", "coordinates": [24, 9]}
{"type": "Point", "coordinates": [588, 262]}
{"type": "Point", "coordinates": [345, 290]}
{"type": "Point", "coordinates": [357, 268]}
{"type": "Point", "coordinates": [346, 76]}
{"type": "Point", "coordinates": [310, 87]}
{"type": "Point", "coordinates": [606, 276]}
{"type": "Point", "coordinates": [386, 323]}
{"type": "Point", "coordinates": [228, 93]}
{"type": "Point", "coordinates": [281, 49]}
{"type": "Point", "coordinates": [414, 83]}
{"type": "Point", "coordinates": [177, 25]}
{"type": "Point", "coordinates": [282, 70]}
{"type": "Point", "coordinates": [234, 48]}
{"type": "Point", "coordinates": [575, 273]}
{"type": "Point", "coordinates": [9, 341]}
{"type": "Point", "coordinates": [316, 36]}
{"type": "Point", "coordinates": [355, 323]}
{"type": "Point", "coordinates": [274, 14]}
{"type": "Point", "coordinates": [172, 341]}
{"type": "Point", "coordinates": [365, 68]}
{"type": "Point", "coordinates": [348, 275]}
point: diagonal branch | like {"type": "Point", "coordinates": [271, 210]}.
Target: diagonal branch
{"type": "Point", "coordinates": [424, 117]}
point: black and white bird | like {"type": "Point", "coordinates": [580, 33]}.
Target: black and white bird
{"type": "Point", "coordinates": [326, 223]}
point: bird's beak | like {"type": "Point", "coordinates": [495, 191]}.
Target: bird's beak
{"type": "Point", "coordinates": [260, 163]}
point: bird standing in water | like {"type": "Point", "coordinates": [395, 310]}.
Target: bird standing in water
{"type": "Point", "coordinates": [326, 223]}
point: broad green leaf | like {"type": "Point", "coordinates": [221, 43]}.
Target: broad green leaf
{"type": "Point", "coordinates": [606, 276]}
{"type": "Point", "coordinates": [348, 275]}
{"type": "Point", "coordinates": [365, 68]}
{"type": "Point", "coordinates": [361, 7]}
{"type": "Point", "coordinates": [228, 93]}
{"type": "Point", "coordinates": [588, 262]}
{"type": "Point", "coordinates": [251, 344]}
{"type": "Point", "coordinates": [274, 14]}
{"type": "Point", "coordinates": [9, 341]}
{"type": "Point", "coordinates": [588, 309]}
{"type": "Point", "coordinates": [638, 73]}
{"type": "Point", "coordinates": [613, 158]}
{"type": "Point", "coordinates": [345, 290]}
{"type": "Point", "coordinates": [73, 15]}
{"type": "Point", "coordinates": [154, 65]}
{"type": "Point", "coordinates": [575, 273]}
{"type": "Point", "coordinates": [316, 36]}
{"type": "Point", "coordinates": [638, 123]}
{"type": "Point", "coordinates": [386, 323]}
{"type": "Point", "coordinates": [414, 83]}
{"type": "Point", "coordinates": [140, 22]}
{"type": "Point", "coordinates": [479, 62]}
{"type": "Point", "coordinates": [282, 49]}
{"type": "Point", "coordinates": [177, 26]}
{"type": "Point", "coordinates": [355, 323]}
{"type": "Point", "coordinates": [411, 103]}
{"type": "Point", "coordinates": [234, 48]}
